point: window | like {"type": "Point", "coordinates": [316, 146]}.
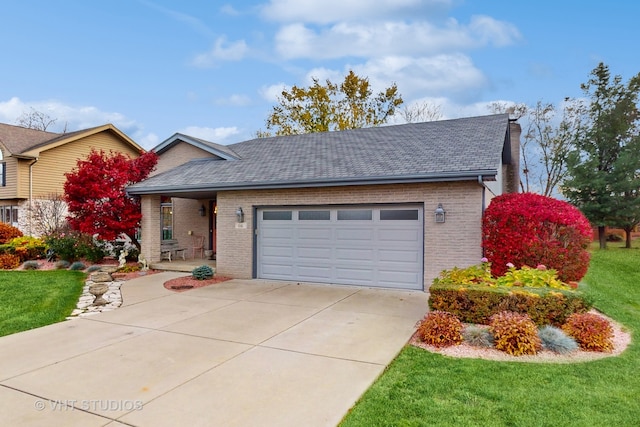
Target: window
{"type": "Point", "coordinates": [355, 214]}
{"type": "Point", "coordinates": [276, 215]}
{"type": "Point", "coordinates": [314, 215]}
{"type": "Point", "coordinates": [398, 214]}
{"type": "Point", "coordinates": [166, 218]}
{"type": "Point", "coordinates": [9, 214]}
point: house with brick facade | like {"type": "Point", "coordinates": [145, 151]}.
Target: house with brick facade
{"type": "Point", "coordinates": [387, 206]}
{"type": "Point", "coordinates": [33, 164]}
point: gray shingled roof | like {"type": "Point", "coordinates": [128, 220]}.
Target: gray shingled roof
{"type": "Point", "coordinates": [418, 152]}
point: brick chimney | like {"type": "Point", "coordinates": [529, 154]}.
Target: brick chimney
{"type": "Point", "coordinates": [511, 163]}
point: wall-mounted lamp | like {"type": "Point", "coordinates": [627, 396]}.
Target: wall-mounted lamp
{"type": "Point", "coordinates": [440, 213]}
{"type": "Point", "coordinates": [239, 215]}
{"type": "Point", "coordinates": [202, 210]}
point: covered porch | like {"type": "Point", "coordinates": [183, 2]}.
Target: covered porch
{"type": "Point", "coordinates": [182, 265]}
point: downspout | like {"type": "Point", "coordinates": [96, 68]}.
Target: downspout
{"type": "Point", "coordinates": [35, 160]}
{"type": "Point", "coordinates": [484, 191]}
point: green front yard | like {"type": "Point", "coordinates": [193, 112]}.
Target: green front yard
{"type": "Point", "coordinates": [424, 389]}
{"type": "Point", "coordinates": [30, 299]}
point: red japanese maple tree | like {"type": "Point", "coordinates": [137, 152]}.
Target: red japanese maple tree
{"type": "Point", "coordinates": [529, 229]}
{"type": "Point", "coordinates": [96, 197]}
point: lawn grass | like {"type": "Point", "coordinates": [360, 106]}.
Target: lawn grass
{"type": "Point", "coordinates": [424, 389]}
{"type": "Point", "coordinates": [30, 299]}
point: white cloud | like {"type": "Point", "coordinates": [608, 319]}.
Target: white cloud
{"type": "Point", "coordinates": [146, 140]}
{"type": "Point", "coordinates": [228, 9]}
{"type": "Point", "coordinates": [327, 11]}
{"type": "Point", "coordinates": [235, 100]}
{"type": "Point", "coordinates": [217, 135]}
{"type": "Point", "coordinates": [452, 76]}
{"type": "Point", "coordinates": [391, 38]}
{"type": "Point", "coordinates": [272, 92]}
{"type": "Point", "coordinates": [492, 31]}
{"type": "Point", "coordinates": [222, 51]}
{"type": "Point", "coordinates": [190, 21]}
{"type": "Point", "coordinates": [71, 118]}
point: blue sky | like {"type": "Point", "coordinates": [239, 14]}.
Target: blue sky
{"type": "Point", "coordinates": [213, 69]}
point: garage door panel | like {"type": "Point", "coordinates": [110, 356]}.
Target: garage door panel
{"type": "Point", "coordinates": [278, 271]}
{"type": "Point", "coordinates": [365, 234]}
{"type": "Point", "coordinates": [354, 274]}
{"type": "Point", "coordinates": [355, 250]}
{"type": "Point", "coordinates": [282, 233]}
{"type": "Point", "coordinates": [354, 254]}
{"type": "Point", "coordinates": [399, 235]}
{"type": "Point", "coordinates": [398, 255]}
{"type": "Point", "coordinates": [319, 234]}
{"type": "Point", "coordinates": [313, 273]}
{"type": "Point", "coordinates": [306, 254]}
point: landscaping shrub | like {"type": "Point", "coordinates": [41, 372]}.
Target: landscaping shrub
{"type": "Point", "coordinates": [128, 269]}
{"type": "Point", "coordinates": [31, 265]}
{"type": "Point", "coordinates": [8, 232]}
{"type": "Point", "coordinates": [476, 304]}
{"type": "Point", "coordinates": [530, 229]}
{"type": "Point", "coordinates": [592, 332]}
{"type": "Point", "coordinates": [614, 237]}
{"type": "Point", "coordinates": [26, 247]}
{"type": "Point", "coordinates": [203, 272]}
{"type": "Point", "coordinates": [9, 262]}
{"type": "Point", "coordinates": [539, 277]}
{"type": "Point", "coordinates": [554, 339]}
{"type": "Point", "coordinates": [477, 336]}
{"type": "Point", "coordinates": [62, 264]}
{"type": "Point", "coordinates": [440, 329]}
{"type": "Point", "coordinates": [74, 245]}
{"type": "Point", "coordinates": [78, 265]}
{"type": "Point", "coordinates": [479, 274]}
{"type": "Point", "coordinates": [514, 333]}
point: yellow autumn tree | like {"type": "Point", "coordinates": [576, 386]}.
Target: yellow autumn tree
{"type": "Point", "coordinates": [329, 106]}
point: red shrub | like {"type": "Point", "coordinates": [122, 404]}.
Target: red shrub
{"type": "Point", "coordinates": [8, 232]}
{"type": "Point", "coordinates": [440, 329]}
{"type": "Point", "coordinates": [530, 229]}
{"type": "Point", "coordinates": [9, 262]}
{"type": "Point", "coordinates": [592, 332]}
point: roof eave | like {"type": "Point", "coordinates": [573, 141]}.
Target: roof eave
{"type": "Point", "coordinates": [177, 137]}
{"type": "Point", "coordinates": [485, 175]}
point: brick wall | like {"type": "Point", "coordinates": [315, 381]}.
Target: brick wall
{"type": "Point", "coordinates": [454, 243]}
{"type": "Point", "coordinates": [150, 228]}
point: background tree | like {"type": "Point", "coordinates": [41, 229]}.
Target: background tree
{"type": "Point", "coordinates": [328, 107]}
{"type": "Point", "coordinates": [546, 141]}
{"type": "Point", "coordinates": [34, 119]}
{"type": "Point", "coordinates": [421, 112]}
{"type": "Point", "coordinates": [603, 169]}
{"type": "Point", "coordinates": [49, 214]}
{"type": "Point", "coordinates": [550, 142]}
{"type": "Point", "coordinates": [96, 197]}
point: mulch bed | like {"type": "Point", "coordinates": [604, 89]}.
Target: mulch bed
{"type": "Point", "coordinates": [186, 283]}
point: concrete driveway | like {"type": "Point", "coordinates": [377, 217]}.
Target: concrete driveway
{"type": "Point", "coordinates": [240, 353]}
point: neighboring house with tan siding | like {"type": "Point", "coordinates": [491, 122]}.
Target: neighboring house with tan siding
{"type": "Point", "coordinates": [389, 206]}
{"type": "Point", "coordinates": [33, 164]}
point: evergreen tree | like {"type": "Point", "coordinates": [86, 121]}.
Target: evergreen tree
{"type": "Point", "coordinates": [603, 179]}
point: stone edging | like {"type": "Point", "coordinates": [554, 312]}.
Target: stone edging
{"type": "Point", "coordinates": [85, 308]}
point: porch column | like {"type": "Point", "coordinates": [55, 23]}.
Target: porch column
{"type": "Point", "coordinates": [150, 227]}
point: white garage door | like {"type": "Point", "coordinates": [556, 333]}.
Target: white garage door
{"type": "Point", "coordinates": [370, 246]}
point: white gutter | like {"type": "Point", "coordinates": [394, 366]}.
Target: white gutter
{"type": "Point", "coordinates": [35, 160]}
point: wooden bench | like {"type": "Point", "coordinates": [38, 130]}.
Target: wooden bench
{"type": "Point", "coordinates": [170, 248]}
